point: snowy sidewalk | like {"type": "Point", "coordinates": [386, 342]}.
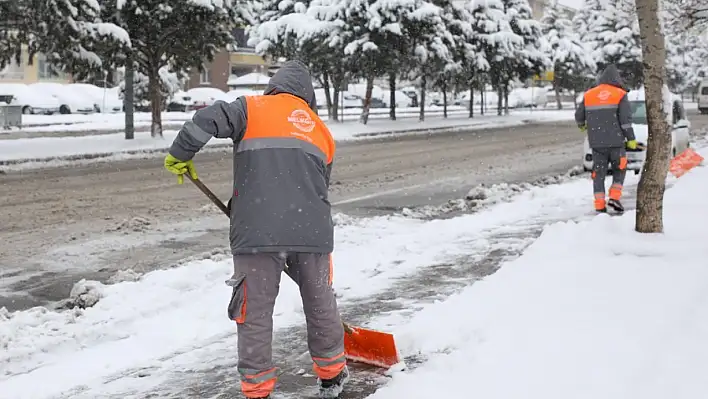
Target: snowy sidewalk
{"type": "Point", "coordinates": [591, 310]}
{"type": "Point", "coordinates": [51, 151]}
{"type": "Point", "coordinates": [162, 332]}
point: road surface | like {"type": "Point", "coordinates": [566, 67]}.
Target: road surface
{"type": "Point", "coordinates": [63, 224]}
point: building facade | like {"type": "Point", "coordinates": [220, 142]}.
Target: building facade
{"type": "Point", "coordinates": [37, 71]}
{"type": "Point", "coordinates": [237, 59]}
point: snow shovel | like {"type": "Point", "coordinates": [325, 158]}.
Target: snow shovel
{"type": "Point", "coordinates": [362, 345]}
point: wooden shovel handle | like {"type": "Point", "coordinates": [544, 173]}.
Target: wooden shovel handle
{"type": "Point", "coordinates": [203, 188]}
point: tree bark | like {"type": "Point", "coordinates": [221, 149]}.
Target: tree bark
{"type": "Point", "coordinates": [506, 99]}
{"type": "Point", "coordinates": [128, 98]}
{"type": "Point", "coordinates": [556, 88]}
{"type": "Point", "coordinates": [423, 83]}
{"type": "Point", "coordinates": [155, 96]}
{"type": "Point", "coordinates": [444, 87]}
{"type": "Point", "coordinates": [482, 99]}
{"type": "Point", "coordinates": [331, 113]}
{"type": "Point", "coordinates": [392, 98]}
{"type": "Point", "coordinates": [652, 184]}
{"type": "Point", "coordinates": [500, 101]}
{"type": "Point", "coordinates": [471, 101]}
{"type": "Point", "coordinates": [367, 99]}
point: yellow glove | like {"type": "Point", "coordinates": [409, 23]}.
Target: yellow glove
{"type": "Point", "coordinates": [583, 128]}
{"type": "Point", "coordinates": [179, 168]}
{"type": "Point", "coordinates": [632, 144]}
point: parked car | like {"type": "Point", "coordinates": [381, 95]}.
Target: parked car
{"type": "Point", "coordinates": [680, 131]}
{"type": "Point", "coordinates": [183, 102]}
{"type": "Point", "coordinates": [206, 95]}
{"type": "Point", "coordinates": [71, 100]}
{"type": "Point", "coordinates": [703, 96]}
{"type": "Point", "coordinates": [105, 100]}
{"type": "Point", "coordinates": [33, 101]}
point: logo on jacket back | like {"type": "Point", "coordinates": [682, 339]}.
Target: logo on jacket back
{"type": "Point", "coordinates": [604, 95]}
{"type": "Point", "coordinates": [301, 120]}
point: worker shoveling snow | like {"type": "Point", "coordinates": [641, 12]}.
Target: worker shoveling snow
{"type": "Point", "coordinates": [591, 310]}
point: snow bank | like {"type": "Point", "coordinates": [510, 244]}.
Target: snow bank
{"type": "Point", "coordinates": [591, 310]}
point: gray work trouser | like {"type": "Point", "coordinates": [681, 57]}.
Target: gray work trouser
{"type": "Point", "coordinates": [616, 157]}
{"type": "Point", "coordinates": [256, 282]}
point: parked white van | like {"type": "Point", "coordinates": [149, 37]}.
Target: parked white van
{"type": "Point", "coordinates": [703, 97]}
{"type": "Point", "coordinates": [680, 131]}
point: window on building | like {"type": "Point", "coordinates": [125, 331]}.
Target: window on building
{"type": "Point", "coordinates": [205, 76]}
{"type": "Point", "coordinates": [240, 70]}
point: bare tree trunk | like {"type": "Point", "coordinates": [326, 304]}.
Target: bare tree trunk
{"type": "Point", "coordinates": [155, 95]}
{"type": "Point", "coordinates": [392, 95]}
{"type": "Point", "coordinates": [575, 99]}
{"type": "Point", "coordinates": [556, 88]}
{"type": "Point", "coordinates": [331, 113]}
{"type": "Point", "coordinates": [482, 99]}
{"type": "Point", "coordinates": [506, 100]}
{"type": "Point", "coordinates": [367, 99]}
{"type": "Point", "coordinates": [128, 98]}
{"type": "Point", "coordinates": [471, 101]}
{"type": "Point", "coordinates": [500, 100]}
{"type": "Point", "coordinates": [336, 93]}
{"type": "Point", "coordinates": [650, 193]}
{"type": "Point", "coordinates": [444, 87]}
{"type": "Point", "coordinates": [423, 82]}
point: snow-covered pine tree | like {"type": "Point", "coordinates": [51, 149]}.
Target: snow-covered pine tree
{"type": "Point", "coordinates": [434, 48]}
{"type": "Point", "coordinates": [469, 53]}
{"type": "Point", "coordinates": [495, 40]}
{"type": "Point", "coordinates": [618, 41]}
{"type": "Point", "coordinates": [169, 85]}
{"type": "Point", "coordinates": [587, 20]}
{"type": "Point", "coordinates": [568, 54]}
{"type": "Point", "coordinates": [67, 32]}
{"type": "Point", "coordinates": [530, 57]}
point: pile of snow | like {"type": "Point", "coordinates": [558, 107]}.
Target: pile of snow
{"type": "Point", "coordinates": [591, 309]}
{"type": "Point", "coordinates": [484, 195]}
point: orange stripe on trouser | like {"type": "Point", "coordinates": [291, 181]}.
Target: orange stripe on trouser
{"type": "Point", "coordinates": [599, 201]}
{"type": "Point", "coordinates": [616, 191]}
{"type": "Point", "coordinates": [331, 270]}
{"type": "Point", "coordinates": [328, 368]}
{"type": "Point", "coordinates": [623, 163]}
{"type": "Point", "coordinates": [258, 385]}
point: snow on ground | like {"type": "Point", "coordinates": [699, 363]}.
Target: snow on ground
{"type": "Point", "coordinates": [102, 146]}
{"type": "Point", "coordinates": [592, 309]}
{"type": "Point", "coordinates": [135, 324]}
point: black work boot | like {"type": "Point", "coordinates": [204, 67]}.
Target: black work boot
{"type": "Point", "coordinates": [616, 205]}
{"type": "Point", "coordinates": [333, 387]}
{"type": "Point", "coordinates": [603, 210]}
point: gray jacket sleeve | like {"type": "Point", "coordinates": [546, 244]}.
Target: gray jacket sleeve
{"type": "Point", "coordinates": [580, 113]}
{"type": "Point", "coordinates": [624, 115]}
{"type": "Point", "coordinates": [221, 120]}
{"type": "Point", "coordinates": [328, 173]}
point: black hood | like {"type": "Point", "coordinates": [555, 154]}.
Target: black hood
{"type": "Point", "coordinates": [293, 78]}
{"type": "Point", "coordinates": [611, 76]}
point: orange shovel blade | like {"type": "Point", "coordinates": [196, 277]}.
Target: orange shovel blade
{"type": "Point", "coordinates": [684, 162]}
{"type": "Point", "coordinates": [371, 347]}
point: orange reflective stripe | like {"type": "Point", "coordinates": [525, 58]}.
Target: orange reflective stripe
{"type": "Point", "coordinates": [328, 368]}
{"type": "Point", "coordinates": [593, 175]}
{"type": "Point", "coordinates": [599, 201]}
{"type": "Point", "coordinates": [616, 191]}
{"type": "Point", "coordinates": [599, 195]}
{"type": "Point", "coordinates": [603, 96]}
{"type": "Point", "coordinates": [258, 385]}
{"type": "Point", "coordinates": [242, 314]}
{"type": "Point", "coordinates": [623, 163]}
{"type": "Point", "coordinates": [285, 121]}
{"type": "Point", "coordinates": [331, 270]}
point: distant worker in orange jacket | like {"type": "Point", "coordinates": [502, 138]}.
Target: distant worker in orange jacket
{"type": "Point", "coordinates": [607, 116]}
{"type": "Point", "coordinates": [280, 215]}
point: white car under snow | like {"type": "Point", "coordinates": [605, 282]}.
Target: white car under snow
{"type": "Point", "coordinates": [680, 131]}
{"type": "Point", "coordinates": [104, 100]}
{"type": "Point", "coordinates": [31, 100]}
{"type": "Point", "coordinates": [70, 99]}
